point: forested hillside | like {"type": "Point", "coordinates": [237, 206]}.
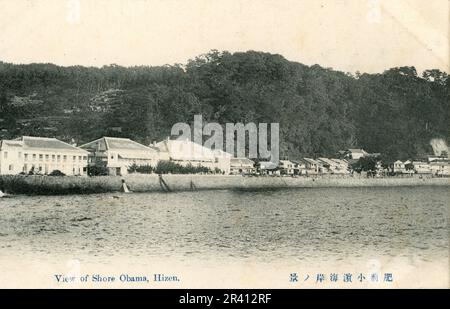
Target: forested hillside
{"type": "Point", "coordinates": [320, 110]}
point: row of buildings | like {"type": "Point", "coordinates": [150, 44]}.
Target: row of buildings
{"type": "Point", "coordinates": [45, 155]}
{"type": "Point", "coordinates": [39, 155]}
{"type": "Point", "coordinates": [432, 165]}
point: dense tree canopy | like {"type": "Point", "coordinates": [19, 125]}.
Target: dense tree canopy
{"type": "Point", "coordinates": [320, 110]}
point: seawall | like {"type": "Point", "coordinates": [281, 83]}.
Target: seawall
{"type": "Point", "coordinates": [47, 185]}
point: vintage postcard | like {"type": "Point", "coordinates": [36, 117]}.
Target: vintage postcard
{"type": "Point", "coordinates": [224, 144]}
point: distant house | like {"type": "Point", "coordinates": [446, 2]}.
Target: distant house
{"type": "Point", "coordinates": [312, 166]}
{"type": "Point", "coordinates": [334, 166]}
{"type": "Point", "coordinates": [355, 153]}
{"type": "Point", "coordinates": [41, 155]}
{"type": "Point", "coordinates": [440, 167]}
{"type": "Point", "coordinates": [241, 166]}
{"type": "Point", "coordinates": [286, 167]}
{"type": "Point", "coordinates": [299, 167]}
{"type": "Point", "coordinates": [328, 164]}
{"type": "Point", "coordinates": [398, 167]}
{"type": "Point", "coordinates": [421, 167]}
{"type": "Point", "coordinates": [343, 166]}
{"type": "Point", "coordinates": [431, 158]}
{"type": "Point", "coordinates": [185, 152]}
{"type": "Point", "coordinates": [118, 154]}
{"type": "Point", "coordinates": [267, 168]}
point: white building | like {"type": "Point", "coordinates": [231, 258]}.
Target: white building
{"type": "Point", "coordinates": [355, 154]}
{"type": "Point", "coordinates": [241, 166]}
{"type": "Point", "coordinates": [268, 168]}
{"type": "Point", "coordinates": [398, 167]}
{"type": "Point", "coordinates": [185, 152]}
{"type": "Point", "coordinates": [334, 166]}
{"type": "Point", "coordinates": [343, 166]}
{"type": "Point", "coordinates": [41, 155]}
{"type": "Point", "coordinates": [287, 167]}
{"type": "Point", "coordinates": [312, 166]}
{"type": "Point", "coordinates": [440, 167]}
{"type": "Point", "coordinates": [118, 154]}
{"type": "Point", "coordinates": [421, 167]}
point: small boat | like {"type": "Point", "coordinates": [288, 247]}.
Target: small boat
{"type": "Point", "coordinates": [124, 188]}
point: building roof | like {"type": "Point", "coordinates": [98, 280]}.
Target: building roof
{"type": "Point", "coordinates": [287, 161]}
{"type": "Point", "coordinates": [340, 161]}
{"type": "Point", "coordinates": [357, 150]}
{"type": "Point", "coordinates": [41, 143]}
{"type": "Point", "coordinates": [328, 161]}
{"type": "Point", "coordinates": [115, 143]}
{"type": "Point", "coordinates": [267, 165]}
{"type": "Point", "coordinates": [241, 161]}
{"type": "Point", "coordinates": [120, 144]}
{"type": "Point", "coordinates": [310, 161]}
{"type": "Point", "coordinates": [186, 150]}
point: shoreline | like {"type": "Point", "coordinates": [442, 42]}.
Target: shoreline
{"type": "Point", "coordinates": [66, 185]}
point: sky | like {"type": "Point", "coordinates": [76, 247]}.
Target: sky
{"type": "Point", "coordinates": [347, 35]}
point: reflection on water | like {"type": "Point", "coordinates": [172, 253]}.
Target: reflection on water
{"type": "Point", "coordinates": [299, 224]}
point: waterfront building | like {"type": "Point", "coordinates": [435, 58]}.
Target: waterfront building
{"type": "Point", "coordinates": [186, 152]}
{"type": "Point", "coordinates": [299, 167]}
{"type": "Point", "coordinates": [268, 168]}
{"type": "Point", "coordinates": [334, 166]}
{"type": "Point", "coordinates": [41, 155]}
{"type": "Point", "coordinates": [440, 167]}
{"type": "Point", "coordinates": [118, 154]}
{"type": "Point", "coordinates": [343, 166]}
{"type": "Point", "coordinates": [242, 166]}
{"type": "Point", "coordinates": [398, 167]}
{"type": "Point", "coordinates": [286, 167]}
{"type": "Point", "coordinates": [312, 166]}
{"type": "Point", "coordinates": [355, 153]}
{"type": "Point", "coordinates": [421, 167]}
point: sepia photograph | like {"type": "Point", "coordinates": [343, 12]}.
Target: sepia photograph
{"type": "Point", "coordinates": [211, 144]}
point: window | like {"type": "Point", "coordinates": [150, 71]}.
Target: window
{"type": "Point", "coordinates": [85, 158]}
{"type": "Point", "coordinates": [47, 157]}
{"type": "Point", "coordinates": [41, 157]}
{"type": "Point", "coordinates": [74, 158]}
{"type": "Point", "coordinates": [58, 157]}
{"type": "Point", "coordinates": [25, 168]}
{"type": "Point", "coordinates": [64, 158]}
{"type": "Point", "coordinates": [53, 157]}
{"type": "Point", "coordinates": [20, 155]}
{"type": "Point", "coordinates": [25, 155]}
{"type": "Point", "coordinates": [34, 156]}
{"type": "Point", "coordinates": [11, 167]}
{"type": "Point", "coordinates": [80, 158]}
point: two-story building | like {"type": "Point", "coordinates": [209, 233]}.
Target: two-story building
{"type": "Point", "coordinates": [118, 154]}
{"type": "Point", "coordinates": [186, 152]}
{"type": "Point", "coordinates": [440, 167]}
{"type": "Point", "coordinates": [421, 167]}
{"type": "Point", "coordinates": [398, 167]}
{"type": "Point", "coordinates": [311, 166]}
{"type": "Point", "coordinates": [286, 167]}
{"type": "Point", "coordinates": [41, 155]}
{"type": "Point", "coordinates": [242, 166]}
